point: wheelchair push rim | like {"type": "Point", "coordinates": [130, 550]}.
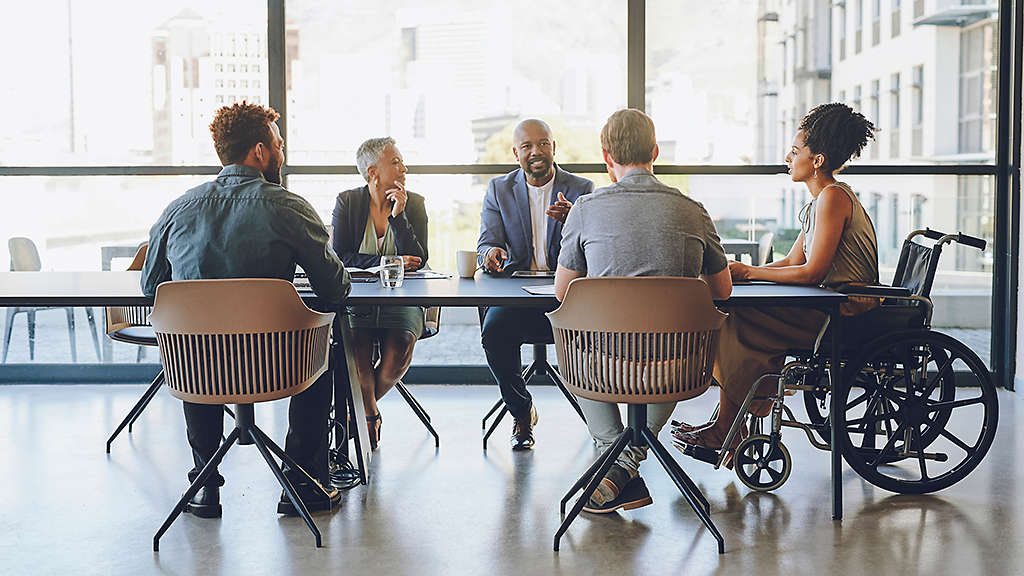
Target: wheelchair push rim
{"type": "Point", "coordinates": [908, 427]}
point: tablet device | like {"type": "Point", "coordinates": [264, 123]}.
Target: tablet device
{"type": "Point", "coordinates": [533, 274]}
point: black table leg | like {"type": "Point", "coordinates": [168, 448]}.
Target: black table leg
{"type": "Point", "coordinates": [837, 417]}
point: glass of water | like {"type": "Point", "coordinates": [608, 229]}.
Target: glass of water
{"type": "Point", "coordinates": [392, 271]}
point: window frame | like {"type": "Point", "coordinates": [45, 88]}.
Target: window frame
{"type": "Point", "coordinates": [1006, 212]}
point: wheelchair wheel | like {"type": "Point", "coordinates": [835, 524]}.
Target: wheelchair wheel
{"type": "Point", "coordinates": [909, 428]}
{"type": "Point", "coordinates": [760, 466]}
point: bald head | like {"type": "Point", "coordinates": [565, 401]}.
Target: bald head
{"type": "Point", "coordinates": [534, 149]}
{"type": "Point", "coordinates": [530, 125]}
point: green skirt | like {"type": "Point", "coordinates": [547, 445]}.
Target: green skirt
{"type": "Point", "coordinates": [408, 318]}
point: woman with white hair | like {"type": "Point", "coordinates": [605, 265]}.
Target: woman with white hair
{"type": "Point", "coordinates": [381, 218]}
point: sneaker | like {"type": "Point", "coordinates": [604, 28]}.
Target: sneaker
{"type": "Point", "coordinates": [312, 496]}
{"type": "Point", "coordinates": [633, 495]}
{"type": "Point", "coordinates": [522, 432]}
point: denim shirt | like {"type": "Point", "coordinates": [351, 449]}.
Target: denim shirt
{"type": "Point", "coordinates": [241, 226]}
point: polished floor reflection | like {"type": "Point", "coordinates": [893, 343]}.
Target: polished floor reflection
{"type": "Point", "coordinates": [66, 507]}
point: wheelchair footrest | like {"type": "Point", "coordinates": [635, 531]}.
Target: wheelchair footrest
{"type": "Point", "coordinates": [701, 453]}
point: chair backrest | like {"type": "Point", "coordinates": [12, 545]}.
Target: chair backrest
{"type": "Point", "coordinates": [636, 340]}
{"type": "Point", "coordinates": [764, 248]}
{"type": "Point", "coordinates": [916, 268]}
{"type": "Point", "coordinates": [24, 255]}
{"type": "Point", "coordinates": [238, 341]}
{"type": "Point", "coordinates": [121, 317]}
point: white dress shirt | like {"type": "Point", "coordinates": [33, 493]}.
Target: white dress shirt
{"type": "Point", "coordinates": [539, 201]}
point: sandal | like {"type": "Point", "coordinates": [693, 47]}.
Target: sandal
{"type": "Point", "coordinates": [373, 428]}
{"type": "Point", "coordinates": [703, 438]}
{"type": "Point", "coordinates": [680, 426]}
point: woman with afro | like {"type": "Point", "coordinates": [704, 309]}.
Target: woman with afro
{"type": "Point", "coordinates": [836, 247]}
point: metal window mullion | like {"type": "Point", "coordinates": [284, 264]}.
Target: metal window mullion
{"type": "Point", "coordinates": [276, 62]}
{"type": "Point", "coordinates": [1015, 190]}
{"type": "Point", "coordinates": [1004, 300]}
{"type": "Point", "coordinates": [635, 56]}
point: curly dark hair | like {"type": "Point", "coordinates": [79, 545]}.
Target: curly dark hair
{"type": "Point", "coordinates": [837, 132]}
{"type": "Point", "coordinates": [239, 127]}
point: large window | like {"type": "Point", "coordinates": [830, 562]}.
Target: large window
{"type": "Point", "coordinates": [875, 111]}
{"type": "Point", "coordinates": [894, 115]}
{"type": "Point", "coordinates": [896, 18]}
{"type": "Point", "coordinates": [978, 52]}
{"type": "Point", "coordinates": [917, 112]}
{"type": "Point", "coordinates": [131, 83]}
{"type": "Point", "coordinates": [449, 79]}
{"type": "Point", "coordinates": [110, 122]}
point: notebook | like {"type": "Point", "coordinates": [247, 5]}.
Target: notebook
{"type": "Point", "coordinates": [541, 290]}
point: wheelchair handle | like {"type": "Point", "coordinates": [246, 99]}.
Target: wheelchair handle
{"type": "Point", "coordinates": [959, 238]}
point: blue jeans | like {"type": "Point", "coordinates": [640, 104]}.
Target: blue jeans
{"type": "Point", "coordinates": [503, 330]}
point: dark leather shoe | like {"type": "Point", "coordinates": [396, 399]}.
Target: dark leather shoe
{"type": "Point", "coordinates": [312, 496]}
{"type": "Point", "coordinates": [633, 495]}
{"type": "Point", "coordinates": [522, 431]}
{"type": "Point", "coordinates": [206, 503]}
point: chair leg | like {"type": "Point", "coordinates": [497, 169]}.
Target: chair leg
{"type": "Point", "coordinates": [583, 479]}
{"type": "Point", "coordinates": [565, 391]}
{"type": "Point", "coordinates": [685, 485]}
{"type": "Point", "coordinates": [150, 394]}
{"type": "Point", "coordinates": [70, 312]}
{"type": "Point", "coordinates": [138, 408]}
{"type": "Point", "coordinates": [413, 401]}
{"type": "Point", "coordinates": [8, 326]}
{"type": "Point", "coordinates": [300, 506]}
{"type": "Point", "coordinates": [418, 410]}
{"type": "Point", "coordinates": [292, 465]}
{"type": "Point", "coordinates": [608, 458]}
{"type": "Point", "coordinates": [497, 406]}
{"type": "Point", "coordinates": [199, 482]}
{"type": "Point", "coordinates": [528, 373]}
{"type": "Point", "coordinates": [31, 334]}
{"type": "Point", "coordinates": [90, 316]}
{"type": "Point", "coordinates": [497, 420]}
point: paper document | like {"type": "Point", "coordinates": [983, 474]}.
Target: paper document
{"type": "Point", "coordinates": [541, 290]}
{"type": "Point", "coordinates": [426, 274]}
{"type": "Point", "coordinates": [363, 272]}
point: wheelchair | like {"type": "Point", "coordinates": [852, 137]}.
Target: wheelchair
{"type": "Point", "coordinates": [920, 406]}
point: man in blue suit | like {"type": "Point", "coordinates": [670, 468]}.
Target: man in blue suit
{"type": "Point", "coordinates": [521, 229]}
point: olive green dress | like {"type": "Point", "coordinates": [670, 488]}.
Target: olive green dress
{"type": "Point", "coordinates": [754, 341]}
{"type": "Point", "coordinates": [408, 318]}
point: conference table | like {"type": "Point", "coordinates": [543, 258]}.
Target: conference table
{"type": "Point", "coordinates": [123, 289]}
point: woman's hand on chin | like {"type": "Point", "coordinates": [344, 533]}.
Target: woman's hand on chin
{"type": "Point", "coordinates": [739, 270]}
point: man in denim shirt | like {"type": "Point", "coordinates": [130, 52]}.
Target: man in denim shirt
{"type": "Point", "coordinates": [245, 225]}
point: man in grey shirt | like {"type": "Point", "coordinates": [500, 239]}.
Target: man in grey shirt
{"type": "Point", "coordinates": [637, 226]}
{"type": "Point", "coordinates": [245, 225]}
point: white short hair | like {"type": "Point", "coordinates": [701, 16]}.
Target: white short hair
{"type": "Point", "coordinates": [369, 153]}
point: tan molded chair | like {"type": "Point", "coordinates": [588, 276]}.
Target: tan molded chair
{"type": "Point", "coordinates": [636, 341]}
{"type": "Point", "coordinates": [238, 342]}
{"type": "Point", "coordinates": [25, 258]}
{"type": "Point", "coordinates": [130, 324]}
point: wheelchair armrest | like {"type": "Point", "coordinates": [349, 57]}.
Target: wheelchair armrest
{"type": "Point", "coordinates": [876, 291]}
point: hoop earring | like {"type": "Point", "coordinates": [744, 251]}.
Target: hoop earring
{"type": "Point", "coordinates": [815, 174]}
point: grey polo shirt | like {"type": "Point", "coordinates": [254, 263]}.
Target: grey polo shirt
{"type": "Point", "coordinates": [640, 227]}
{"type": "Point", "coordinates": [241, 226]}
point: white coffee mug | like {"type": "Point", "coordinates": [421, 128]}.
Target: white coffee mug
{"type": "Point", "coordinates": [465, 262]}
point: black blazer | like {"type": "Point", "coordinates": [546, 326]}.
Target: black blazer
{"type": "Point", "coordinates": [349, 221]}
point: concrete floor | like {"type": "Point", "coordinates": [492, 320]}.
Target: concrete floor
{"type": "Point", "coordinates": [67, 508]}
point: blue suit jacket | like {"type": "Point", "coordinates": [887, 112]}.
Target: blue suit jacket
{"type": "Point", "coordinates": [505, 219]}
